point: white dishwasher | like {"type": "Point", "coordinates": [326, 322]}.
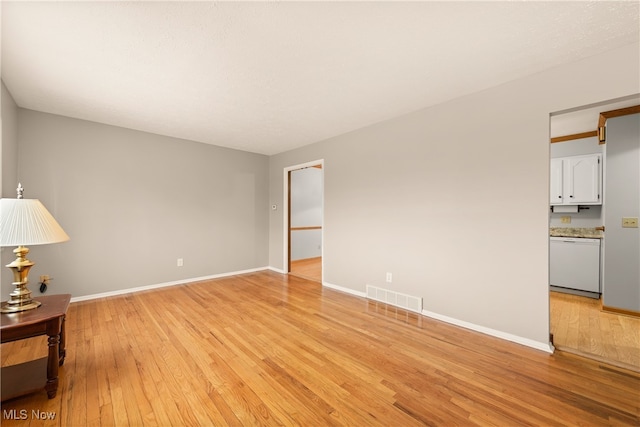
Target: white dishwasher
{"type": "Point", "coordinates": [575, 265]}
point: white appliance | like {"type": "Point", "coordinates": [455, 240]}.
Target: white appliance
{"type": "Point", "coordinates": [574, 265]}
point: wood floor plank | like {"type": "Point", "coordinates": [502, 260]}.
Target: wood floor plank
{"type": "Point", "coordinates": [580, 325]}
{"type": "Point", "coordinates": [308, 268]}
{"type": "Point", "coordinates": [270, 349]}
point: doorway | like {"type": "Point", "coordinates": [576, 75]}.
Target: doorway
{"type": "Point", "coordinates": [304, 220]}
{"type": "Point", "coordinates": [582, 325]}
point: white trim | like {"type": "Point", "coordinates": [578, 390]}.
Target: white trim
{"type": "Point", "coordinates": [345, 290]}
{"type": "Point", "coordinates": [277, 270]}
{"type": "Point", "coordinates": [285, 213]}
{"type": "Point", "coordinates": [164, 285]}
{"type": "Point", "coordinates": [546, 347]}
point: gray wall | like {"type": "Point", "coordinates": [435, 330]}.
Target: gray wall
{"type": "Point", "coordinates": [622, 199]}
{"type": "Point", "coordinates": [577, 147]}
{"type": "Point", "coordinates": [591, 217]}
{"type": "Point", "coordinates": [134, 202]}
{"type": "Point", "coordinates": [8, 170]}
{"type": "Point", "coordinates": [9, 147]}
{"type": "Point", "coordinates": [454, 200]}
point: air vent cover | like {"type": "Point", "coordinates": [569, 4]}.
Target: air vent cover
{"type": "Point", "coordinates": [397, 299]}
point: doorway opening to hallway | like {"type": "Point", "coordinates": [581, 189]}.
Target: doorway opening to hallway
{"type": "Point", "coordinates": [305, 193]}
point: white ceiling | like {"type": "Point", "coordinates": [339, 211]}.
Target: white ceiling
{"type": "Point", "coordinates": [267, 77]}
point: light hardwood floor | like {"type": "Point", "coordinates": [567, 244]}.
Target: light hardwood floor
{"type": "Point", "coordinates": [579, 325]}
{"type": "Point", "coordinates": [272, 349]}
{"type": "Point", "coordinates": [308, 268]}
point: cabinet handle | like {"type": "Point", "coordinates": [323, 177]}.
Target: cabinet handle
{"type": "Point", "coordinates": [571, 197]}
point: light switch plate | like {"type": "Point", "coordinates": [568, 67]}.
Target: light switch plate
{"type": "Point", "coordinates": [629, 222]}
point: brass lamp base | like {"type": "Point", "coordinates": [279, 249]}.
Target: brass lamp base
{"type": "Point", "coordinates": [20, 298]}
{"type": "Point", "coordinates": [7, 307]}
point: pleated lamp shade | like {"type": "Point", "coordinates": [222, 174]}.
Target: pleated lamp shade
{"type": "Point", "coordinates": [26, 222]}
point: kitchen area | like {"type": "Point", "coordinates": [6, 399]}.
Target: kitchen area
{"type": "Point", "coordinates": [576, 195]}
{"type": "Point", "coordinates": [594, 240]}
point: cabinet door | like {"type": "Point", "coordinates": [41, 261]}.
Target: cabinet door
{"type": "Point", "coordinates": [555, 193]}
{"type": "Point", "coordinates": [582, 180]}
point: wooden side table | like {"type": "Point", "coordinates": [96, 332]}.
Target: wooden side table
{"type": "Point", "coordinates": [48, 319]}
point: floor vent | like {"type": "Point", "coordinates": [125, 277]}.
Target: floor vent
{"type": "Point", "coordinates": [397, 299]}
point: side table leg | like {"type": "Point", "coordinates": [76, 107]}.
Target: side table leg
{"type": "Point", "coordinates": [62, 353]}
{"type": "Point", "coordinates": [52, 366]}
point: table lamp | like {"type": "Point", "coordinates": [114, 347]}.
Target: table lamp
{"type": "Point", "coordinates": [25, 222]}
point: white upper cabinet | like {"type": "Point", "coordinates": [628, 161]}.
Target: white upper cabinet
{"type": "Point", "coordinates": [576, 180]}
{"type": "Point", "coordinates": [555, 195]}
{"type": "Point", "coordinates": [583, 180]}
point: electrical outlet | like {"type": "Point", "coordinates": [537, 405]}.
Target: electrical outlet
{"type": "Point", "coordinates": [389, 278]}
{"type": "Point", "coordinates": [44, 278]}
{"type": "Point", "coordinates": [180, 262]}
{"type": "Point", "coordinates": [565, 219]}
{"type": "Point", "coordinates": [629, 222]}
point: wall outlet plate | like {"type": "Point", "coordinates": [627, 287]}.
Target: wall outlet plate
{"type": "Point", "coordinates": [565, 219]}
{"type": "Point", "coordinates": [629, 222]}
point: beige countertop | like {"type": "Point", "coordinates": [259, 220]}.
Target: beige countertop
{"type": "Point", "coordinates": [589, 233]}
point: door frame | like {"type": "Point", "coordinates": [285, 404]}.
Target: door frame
{"type": "Point", "coordinates": [600, 132]}
{"type": "Point", "coordinates": [286, 224]}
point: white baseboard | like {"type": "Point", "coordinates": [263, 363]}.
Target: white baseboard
{"type": "Point", "coordinates": [345, 290]}
{"type": "Point", "coordinates": [163, 285]}
{"type": "Point", "coordinates": [277, 270]}
{"type": "Point", "coordinates": [546, 347]}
